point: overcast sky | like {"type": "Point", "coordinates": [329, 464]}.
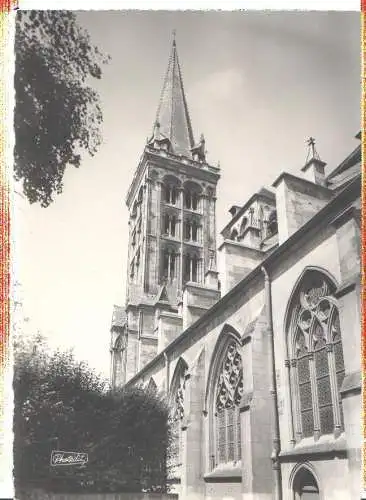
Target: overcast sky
{"type": "Point", "coordinates": [257, 84]}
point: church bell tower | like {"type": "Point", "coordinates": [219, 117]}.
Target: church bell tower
{"type": "Point", "coordinates": [172, 228]}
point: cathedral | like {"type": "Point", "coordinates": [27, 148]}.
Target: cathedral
{"type": "Point", "coordinates": [260, 363]}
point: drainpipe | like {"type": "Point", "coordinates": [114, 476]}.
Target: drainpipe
{"type": "Point", "coordinates": [273, 391]}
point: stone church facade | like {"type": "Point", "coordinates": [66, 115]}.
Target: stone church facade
{"type": "Point", "coordinates": [261, 364]}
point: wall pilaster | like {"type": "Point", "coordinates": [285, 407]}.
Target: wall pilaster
{"type": "Point", "coordinates": [347, 226]}
{"type": "Point", "coordinates": [192, 483]}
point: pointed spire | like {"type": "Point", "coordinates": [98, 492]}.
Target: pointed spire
{"type": "Point", "coordinates": [172, 114]}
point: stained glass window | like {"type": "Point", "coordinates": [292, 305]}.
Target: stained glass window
{"type": "Point", "coordinates": [229, 391]}
{"type": "Point", "coordinates": [175, 420]}
{"type": "Point", "coordinates": [338, 355]}
{"type": "Point", "coordinates": [317, 349]}
{"type": "Point", "coordinates": [303, 370]}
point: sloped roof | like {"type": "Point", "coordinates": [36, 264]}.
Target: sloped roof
{"type": "Point", "coordinates": [339, 180]}
{"type": "Point", "coordinates": [172, 115]}
{"type": "Point", "coordinates": [270, 243]}
{"type": "Point", "coordinates": [351, 160]}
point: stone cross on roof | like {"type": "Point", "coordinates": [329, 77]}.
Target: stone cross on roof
{"type": "Point", "coordinates": [312, 152]}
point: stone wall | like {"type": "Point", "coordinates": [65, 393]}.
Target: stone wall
{"type": "Point", "coordinates": [331, 247]}
{"type": "Point", "coordinates": [297, 201]}
{"type": "Point", "coordinates": [236, 261]}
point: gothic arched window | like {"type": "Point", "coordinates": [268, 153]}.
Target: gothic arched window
{"type": "Point", "coordinates": [170, 224]}
{"type": "Point", "coordinates": [170, 194]}
{"type": "Point", "coordinates": [187, 230]}
{"type": "Point", "coordinates": [119, 360]}
{"type": "Point", "coordinates": [305, 486]}
{"type": "Point", "coordinates": [317, 365]}
{"type": "Point", "coordinates": [194, 231]}
{"type": "Point", "coordinates": [188, 199]}
{"type": "Point", "coordinates": [226, 415]}
{"type": "Point", "coordinates": [175, 419]}
{"type": "Point", "coordinates": [170, 264]}
{"type": "Point", "coordinates": [192, 196]}
{"type": "Point", "coordinates": [195, 201]}
{"type": "Point", "coordinates": [191, 230]}
{"type": "Point", "coordinates": [192, 268]}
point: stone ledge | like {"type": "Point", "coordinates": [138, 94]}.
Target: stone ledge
{"type": "Point", "coordinates": [192, 285]}
{"type": "Point", "coordinates": [200, 309]}
{"type": "Point", "coordinates": [149, 337]}
{"type": "Point", "coordinates": [170, 315]}
{"type": "Point", "coordinates": [347, 286]}
{"type": "Point", "coordinates": [351, 384]}
{"type": "Point", "coordinates": [304, 185]}
{"type": "Point", "coordinates": [231, 474]}
{"type": "Point", "coordinates": [313, 161]}
{"type": "Point", "coordinates": [256, 252]}
{"type": "Point", "coordinates": [332, 448]}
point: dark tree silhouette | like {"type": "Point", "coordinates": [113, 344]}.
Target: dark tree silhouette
{"type": "Point", "coordinates": [60, 404]}
{"type": "Point", "coordinates": [57, 113]}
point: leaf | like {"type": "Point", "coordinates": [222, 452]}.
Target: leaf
{"type": "Point", "coordinates": [57, 114]}
{"type": "Point", "coordinates": [61, 402]}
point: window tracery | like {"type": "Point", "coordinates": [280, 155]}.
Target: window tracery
{"type": "Point", "coordinates": [318, 358]}
{"type": "Point", "coordinates": [175, 421]}
{"type": "Point", "coordinates": [228, 394]}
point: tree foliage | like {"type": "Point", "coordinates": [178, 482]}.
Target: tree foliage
{"type": "Point", "coordinates": [60, 404]}
{"type": "Point", "coordinates": [57, 113]}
